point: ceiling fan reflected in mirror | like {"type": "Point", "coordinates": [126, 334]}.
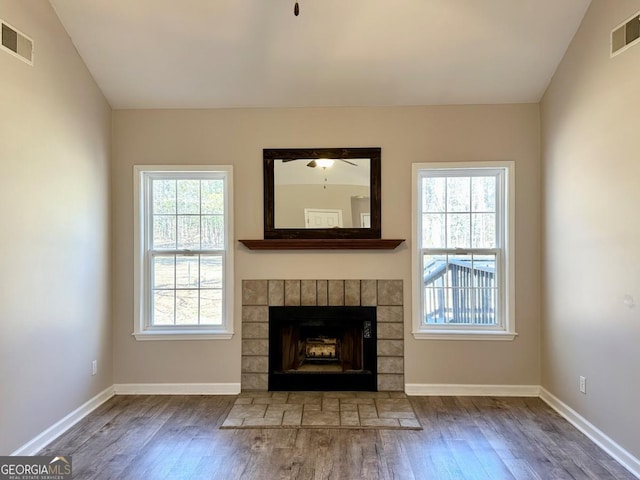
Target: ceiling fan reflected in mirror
{"type": "Point", "coordinates": [320, 162]}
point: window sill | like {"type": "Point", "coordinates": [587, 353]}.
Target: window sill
{"type": "Point", "coordinates": [183, 335]}
{"type": "Point", "coordinates": [464, 335]}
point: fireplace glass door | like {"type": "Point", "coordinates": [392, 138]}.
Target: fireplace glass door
{"type": "Point", "coordinates": [322, 348]}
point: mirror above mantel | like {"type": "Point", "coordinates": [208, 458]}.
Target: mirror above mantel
{"type": "Point", "coordinates": [322, 193]}
{"type": "Point", "coordinates": [322, 198]}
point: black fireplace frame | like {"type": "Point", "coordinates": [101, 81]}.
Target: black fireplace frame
{"type": "Point", "coordinates": [365, 380]}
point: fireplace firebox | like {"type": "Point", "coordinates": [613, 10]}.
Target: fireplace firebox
{"type": "Point", "coordinates": [322, 348]}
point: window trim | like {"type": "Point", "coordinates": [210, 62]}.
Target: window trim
{"type": "Point", "coordinates": [142, 331]}
{"type": "Point", "coordinates": [505, 331]}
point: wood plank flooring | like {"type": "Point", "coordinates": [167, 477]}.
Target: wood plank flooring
{"type": "Point", "coordinates": [178, 437]}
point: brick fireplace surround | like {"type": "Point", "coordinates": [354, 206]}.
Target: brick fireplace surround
{"type": "Point", "coordinates": [259, 295]}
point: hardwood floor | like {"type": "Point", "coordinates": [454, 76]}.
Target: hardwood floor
{"type": "Point", "coordinates": [177, 437]}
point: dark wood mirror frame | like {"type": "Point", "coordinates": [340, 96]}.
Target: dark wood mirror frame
{"type": "Point", "coordinates": [270, 232]}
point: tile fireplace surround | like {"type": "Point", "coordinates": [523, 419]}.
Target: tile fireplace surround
{"type": "Point", "coordinates": [259, 295]}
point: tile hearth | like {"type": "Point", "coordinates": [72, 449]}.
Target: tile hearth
{"type": "Point", "coordinates": [259, 295]}
{"type": "Point", "coordinates": [381, 410]}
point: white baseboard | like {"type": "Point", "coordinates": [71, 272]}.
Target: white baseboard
{"type": "Point", "coordinates": [621, 455]}
{"type": "Point", "coordinates": [54, 431]}
{"type": "Point", "coordinates": [448, 390]}
{"type": "Point", "coordinates": [177, 388]}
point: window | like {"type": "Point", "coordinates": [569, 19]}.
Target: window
{"type": "Point", "coordinates": [184, 257]}
{"type": "Point", "coordinates": [463, 268]}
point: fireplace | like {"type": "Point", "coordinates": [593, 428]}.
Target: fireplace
{"type": "Point", "coordinates": [384, 296]}
{"type": "Point", "coordinates": [322, 348]}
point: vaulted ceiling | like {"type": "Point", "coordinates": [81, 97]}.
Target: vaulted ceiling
{"type": "Point", "coordinates": [256, 53]}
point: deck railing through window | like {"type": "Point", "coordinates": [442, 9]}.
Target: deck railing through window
{"type": "Point", "coordinates": [460, 292]}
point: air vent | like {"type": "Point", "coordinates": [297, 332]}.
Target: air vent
{"type": "Point", "coordinates": [625, 35]}
{"type": "Point", "coordinates": [16, 43]}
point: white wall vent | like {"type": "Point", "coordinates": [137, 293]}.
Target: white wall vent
{"type": "Point", "coordinates": [625, 35]}
{"type": "Point", "coordinates": [16, 43]}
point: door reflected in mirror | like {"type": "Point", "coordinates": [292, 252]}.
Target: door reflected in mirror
{"type": "Point", "coordinates": [322, 193]}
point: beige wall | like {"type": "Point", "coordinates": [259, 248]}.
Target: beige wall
{"type": "Point", "coordinates": [592, 261]}
{"type": "Point", "coordinates": [54, 240]}
{"type": "Point", "coordinates": [406, 135]}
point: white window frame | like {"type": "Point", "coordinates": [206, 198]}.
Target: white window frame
{"type": "Point", "coordinates": [142, 328]}
{"type": "Point", "coordinates": [505, 330]}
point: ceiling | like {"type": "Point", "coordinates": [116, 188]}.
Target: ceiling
{"type": "Point", "coordinates": [256, 53]}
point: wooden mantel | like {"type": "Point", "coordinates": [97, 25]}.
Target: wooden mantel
{"type": "Point", "coordinates": [323, 244]}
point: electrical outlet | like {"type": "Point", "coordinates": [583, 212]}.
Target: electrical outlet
{"type": "Point", "coordinates": [583, 385]}
{"type": "Point", "coordinates": [94, 367]}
